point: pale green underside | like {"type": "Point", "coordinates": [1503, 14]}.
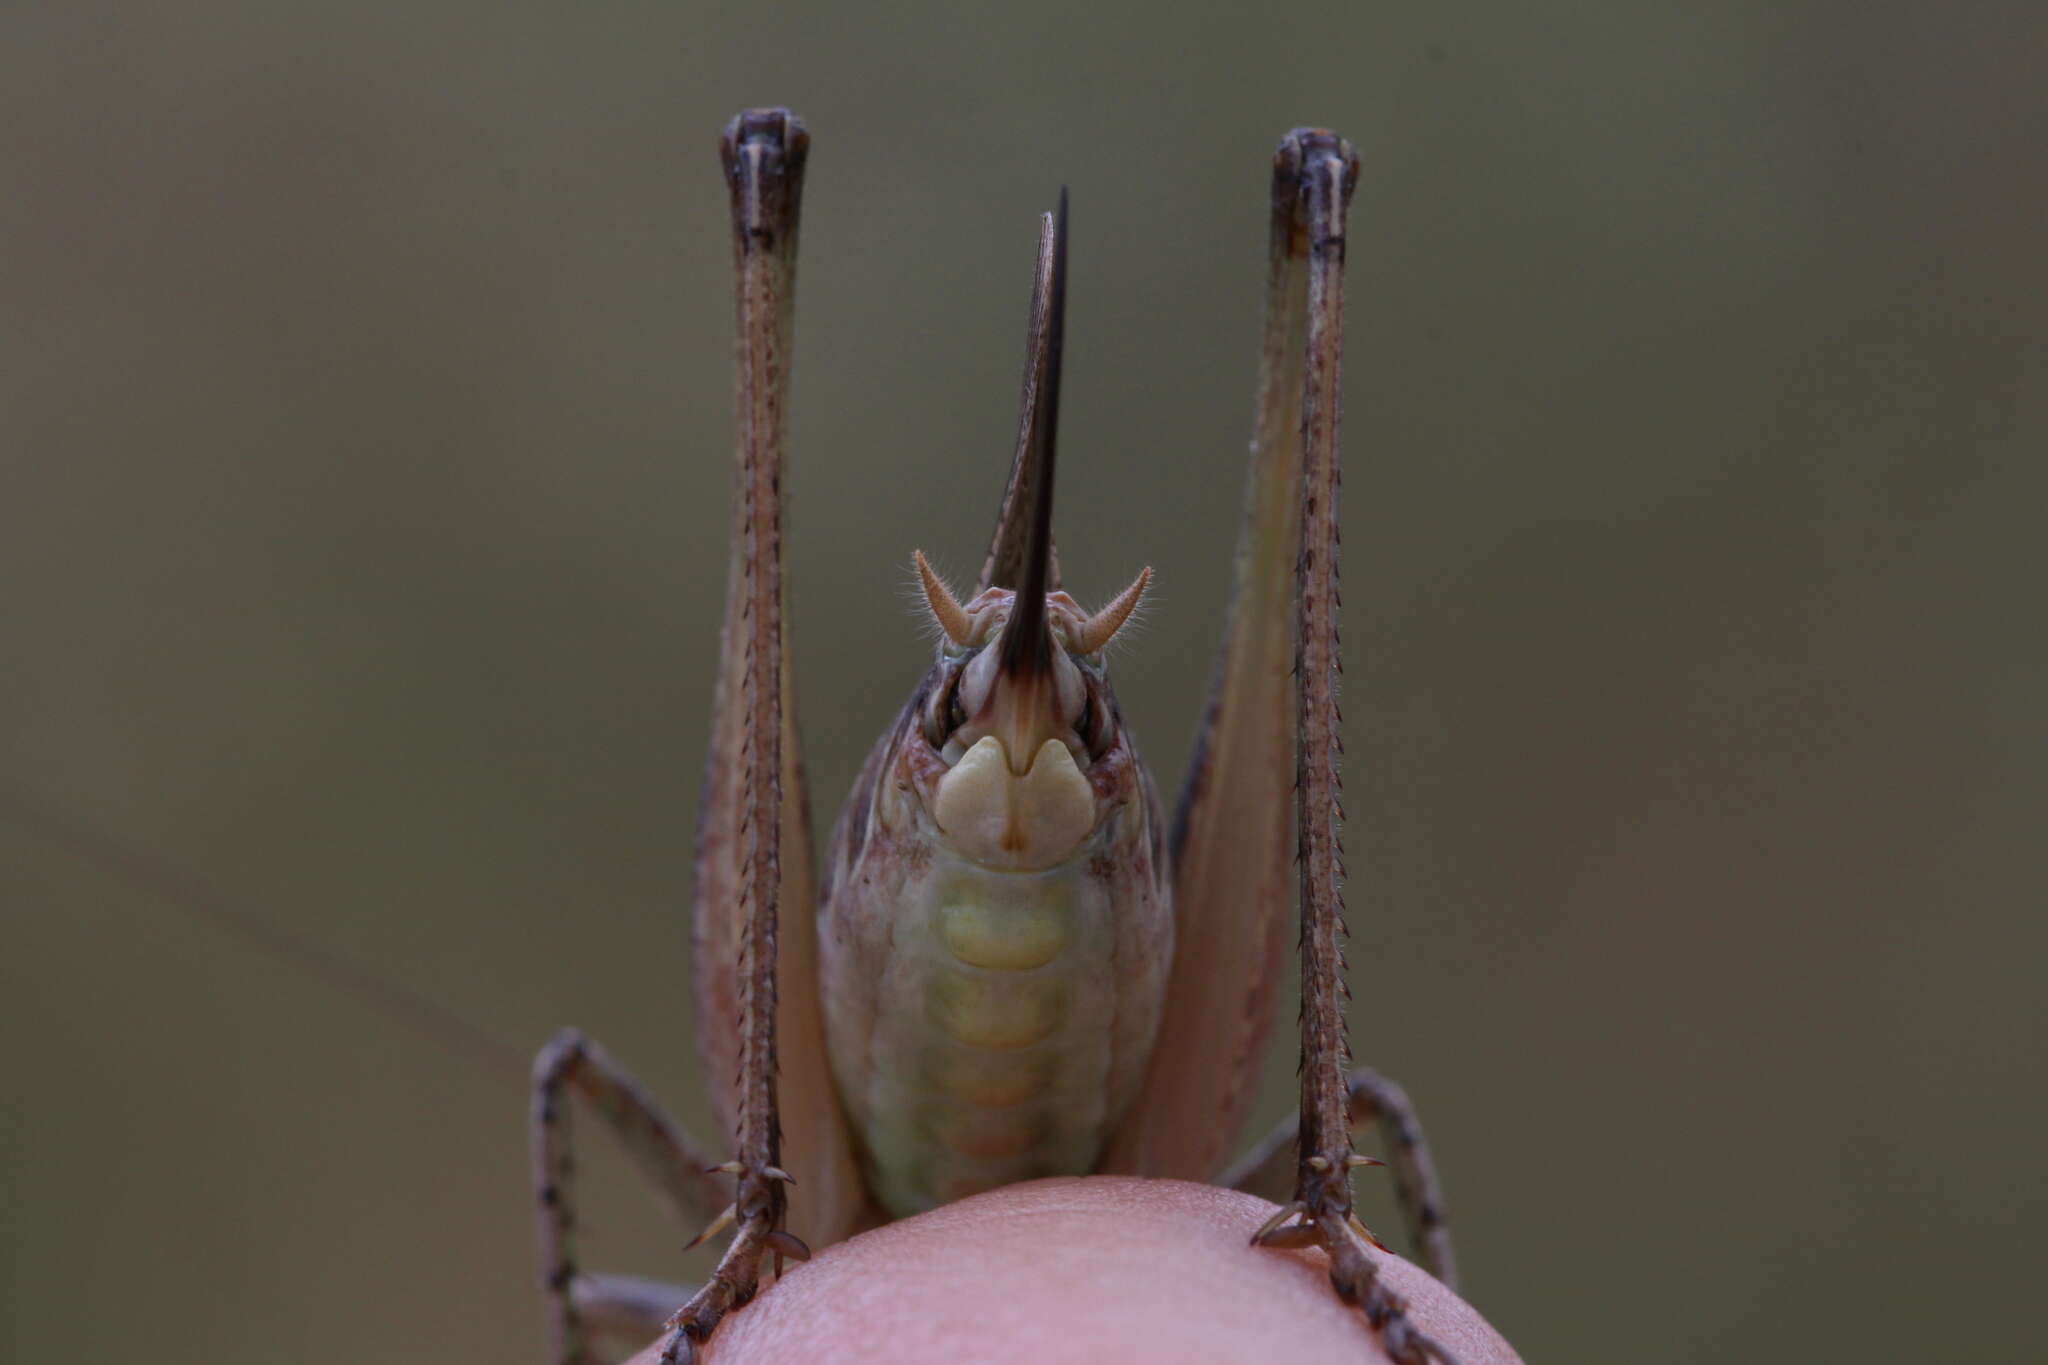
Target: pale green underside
{"type": "Point", "coordinates": [989, 1026]}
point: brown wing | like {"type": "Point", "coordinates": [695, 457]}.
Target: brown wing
{"type": "Point", "coordinates": [1232, 845]}
{"type": "Point", "coordinates": [755, 935]}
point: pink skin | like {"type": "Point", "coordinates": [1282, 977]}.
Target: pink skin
{"type": "Point", "coordinates": [1110, 1269]}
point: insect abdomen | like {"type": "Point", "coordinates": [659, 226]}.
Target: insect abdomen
{"type": "Point", "coordinates": [1001, 1025]}
{"type": "Point", "coordinates": [989, 1026]}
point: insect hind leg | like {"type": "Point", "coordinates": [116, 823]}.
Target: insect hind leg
{"type": "Point", "coordinates": [663, 1152]}
{"type": "Point", "coordinates": [1314, 174]}
{"type": "Point", "coordinates": [626, 1306]}
{"type": "Point", "coordinates": [1268, 1169]}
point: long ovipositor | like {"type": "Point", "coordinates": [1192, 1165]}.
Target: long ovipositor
{"type": "Point", "coordinates": [995, 926]}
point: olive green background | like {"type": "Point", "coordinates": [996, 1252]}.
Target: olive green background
{"type": "Point", "coordinates": [365, 389]}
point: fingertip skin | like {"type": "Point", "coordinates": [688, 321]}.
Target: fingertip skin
{"type": "Point", "coordinates": [1104, 1268]}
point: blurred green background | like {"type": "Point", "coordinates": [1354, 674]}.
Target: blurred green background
{"type": "Point", "coordinates": [366, 398]}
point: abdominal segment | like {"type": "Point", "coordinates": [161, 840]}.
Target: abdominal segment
{"type": "Point", "coordinates": [988, 1026]}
